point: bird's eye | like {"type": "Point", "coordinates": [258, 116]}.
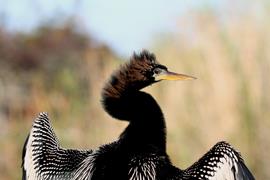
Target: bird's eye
{"type": "Point", "coordinates": [157, 71]}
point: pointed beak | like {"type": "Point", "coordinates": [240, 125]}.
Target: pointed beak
{"type": "Point", "coordinates": [167, 75]}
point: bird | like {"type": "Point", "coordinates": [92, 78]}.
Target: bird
{"type": "Point", "coordinates": [139, 153]}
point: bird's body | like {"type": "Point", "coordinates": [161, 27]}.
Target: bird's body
{"type": "Point", "coordinates": [45, 159]}
{"type": "Point", "coordinates": [140, 151]}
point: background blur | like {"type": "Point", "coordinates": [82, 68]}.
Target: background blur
{"type": "Point", "coordinates": [56, 55]}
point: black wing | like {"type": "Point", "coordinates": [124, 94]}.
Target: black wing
{"type": "Point", "coordinates": [221, 162]}
{"type": "Point", "coordinates": [43, 158]}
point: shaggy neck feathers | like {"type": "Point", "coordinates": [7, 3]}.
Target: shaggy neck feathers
{"type": "Point", "coordinates": [123, 100]}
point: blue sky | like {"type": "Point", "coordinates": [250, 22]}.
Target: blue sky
{"type": "Point", "coordinates": [124, 25]}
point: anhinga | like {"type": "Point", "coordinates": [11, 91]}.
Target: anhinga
{"type": "Point", "coordinates": [140, 151]}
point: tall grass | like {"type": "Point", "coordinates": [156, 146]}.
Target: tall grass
{"type": "Point", "coordinates": [229, 100]}
{"type": "Point", "coordinates": [62, 71]}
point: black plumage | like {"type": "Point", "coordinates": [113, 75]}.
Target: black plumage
{"type": "Point", "coordinates": [140, 151]}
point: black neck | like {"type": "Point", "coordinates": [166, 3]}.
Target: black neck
{"type": "Point", "coordinates": [123, 100]}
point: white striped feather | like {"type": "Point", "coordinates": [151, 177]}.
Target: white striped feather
{"type": "Point", "coordinates": [142, 168]}
{"type": "Point", "coordinates": [45, 159]}
{"type": "Point", "coordinates": [222, 162]}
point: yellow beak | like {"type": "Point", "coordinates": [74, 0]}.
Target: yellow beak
{"type": "Point", "coordinates": [167, 75]}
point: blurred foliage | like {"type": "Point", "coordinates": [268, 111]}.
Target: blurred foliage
{"type": "Point", "coordinates": [54, 69]}
{"type": "Point", "coordinates": [59, 69]}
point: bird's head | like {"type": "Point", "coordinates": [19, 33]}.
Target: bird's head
{"type": "Point", "coordinates": [144, 67]}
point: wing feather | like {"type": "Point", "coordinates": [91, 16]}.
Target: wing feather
{"type": "Point", "coordinates": [221, 162]}
{"type": "Point", "coordinates": [43, 158]}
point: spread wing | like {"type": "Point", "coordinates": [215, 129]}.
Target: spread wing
{"type": "Point", "coordinates": [221, 162]}
{"type": "Point", "coordinates": [43, 158]}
